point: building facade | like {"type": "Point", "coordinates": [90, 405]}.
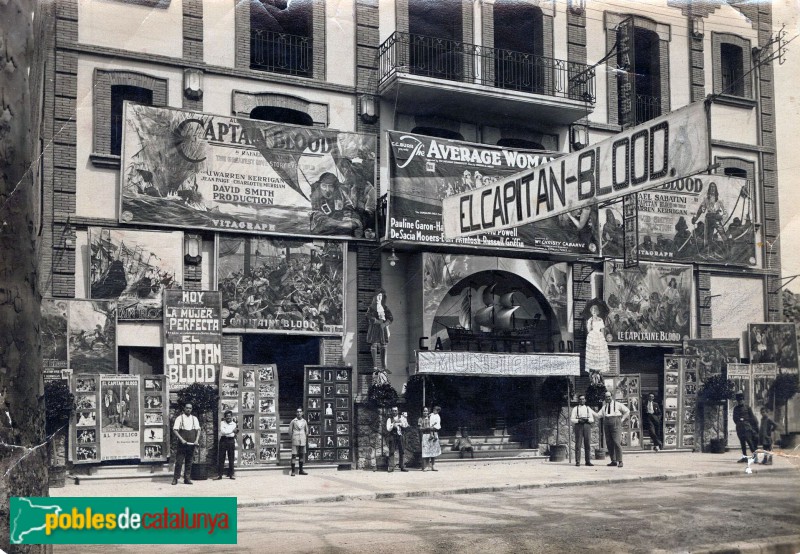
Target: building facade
{"type": "Point", "coordinates": [439, 97]}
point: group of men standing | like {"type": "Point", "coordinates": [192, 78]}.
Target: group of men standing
{"type": "Point", "coordinates": [612, 414]}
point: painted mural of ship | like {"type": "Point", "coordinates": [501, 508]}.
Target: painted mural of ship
{"type": "Point", "coordinates": [118, 270]}
{"type": "Point", "coordinates": [495, 324]}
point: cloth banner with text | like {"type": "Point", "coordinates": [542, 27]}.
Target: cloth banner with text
{"type": "Point", "coordinates": [425, 170]}
{"type": "Point", "coordinates": [281, 286]}
{"type": "Point", "coordinates": [200, 171]}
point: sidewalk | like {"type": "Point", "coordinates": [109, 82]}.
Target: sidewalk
{"type": "Point", "coordinates": [265, 488]}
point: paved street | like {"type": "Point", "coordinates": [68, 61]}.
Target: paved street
{"type": "Point", "coordinates": [691, 514]}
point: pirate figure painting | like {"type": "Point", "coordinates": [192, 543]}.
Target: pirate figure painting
{"type": "Point", "coordinates": [379, 317]}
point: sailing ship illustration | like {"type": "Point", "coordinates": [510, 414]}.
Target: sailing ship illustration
{"type": "Point", "coordinates": [122, 271]}
{"type": "Point", "coordinates": [498, 321]}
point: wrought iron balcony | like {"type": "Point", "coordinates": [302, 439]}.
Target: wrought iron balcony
{"type": "Point", "coordinates": [281, 53]}
{"type": "Point", "coordinates": [647, 108]}
{"type": "Point", "coordinates": [404, 53]}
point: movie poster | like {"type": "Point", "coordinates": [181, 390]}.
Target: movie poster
{"type": "Point", "coordinates": [92, 336]}
{"type": "Point", "coordinates": [774, 343]}
{"type": "Point", "coordinates": [475, 302]}
{"type": "Point", "coordinates": [706, 218]}
{"type": "Point", "coordinates": [190, 169]}
{"type": "Point", "coordinates": [154, 403]}
{"type": "Point", "coordinates": [133, 268]}
{"type": "Point", "coordinates": [192, 337]}
{"type": "Point", "coordinates": [120, 417]}
{"type": "Point", "coordinates": [251, 393]}
{"type": "Point", "coordinates": [650, 303]}
{"type": "Point", "coordinates": [281, 286]}
{"type": "Point", "coordinates": [424, 170]}
{"type": "Point", "coordinates": [328, 400]}
{"type": "Point", "coordinates": [713, 355]}
{"type": "Point", "coordinates": [54, 333]}
{"type": "Point", "coordinates": [763, 377]}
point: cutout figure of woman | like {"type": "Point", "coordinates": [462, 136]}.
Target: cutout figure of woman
{"type": "Point", "coordinates": [596, 345]}
{"type": "Point", "coordinates": [379, 318]}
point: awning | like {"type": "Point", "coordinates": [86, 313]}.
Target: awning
{"type": "Point", "coordinates": [490, 364]}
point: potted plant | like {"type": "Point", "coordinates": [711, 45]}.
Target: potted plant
{"type": "Point", "coordinates": [782, 389]}
{"type": "Point", "coordinates": [553, 395]}
{"type": "Point", "coordinates": [595, 394]}
{"type": "Point", "coordinates": [380, 397]}
{"type": "Point", "coordinates": [59, 407]}
{"type": "Point", "coordinates": [713, 395]}
{"type": "Point", "coordinates": [204, 399]}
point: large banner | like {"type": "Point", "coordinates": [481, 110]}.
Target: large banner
{"type": "Point", "coordinates": [498, 365]}
{"type": "Point", "coordinates": [774, 343]}
{"type": "Point", "coordinates": [425, 170]}
{"type": "Point", "coordinates": [329, 409]}
{"type": "Point", "coordinates": [192, 337]}
{"type": "Point", "coordinates": [92, 336]}
{"type": "Point", "coordinates": [133, 267]}
{"type": "Point", "coordinates": [251, 393]}
{"type": "Point", "coordinates": [189, 169]}
{"type": "Point", "coordinates": [281, 286]}
{"type": "Point", "coordinates": [708, 218]}
{"type": "Point", "coordinates": [661, 150]}
{"type": "Point", "coordinates": [650, 303]}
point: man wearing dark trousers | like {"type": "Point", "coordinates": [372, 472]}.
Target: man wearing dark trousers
{"type": "Point", "coordinates": [582, 418]}
{"type": "Point", "coordinates": [227, 444]}
{"type": "Point", "coordinates": [613, 414]}
{"type": "Point", "coordinates": [652, 421]}
{"type": "Point", "coordinates": [187, 431]}
{"type": "Point", "coordinates": [746, 426]}
{"type": "Point", "coordinates": [395, 426]}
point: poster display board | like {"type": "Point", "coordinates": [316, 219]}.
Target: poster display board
{"type": "Point", "coordinates": [134, 267]}
{"type": "Point", "coordinates": [424, 170]}
{"type": "Point", "coordinates": [649, 304]}
{"type": "Point", "coordinates": [155, 418]}
{"type": "Point", "coordinates": [92, 332]}
{"type": "Point", "coordinates": [713, 355]}
{"type": "Point", "coordinates": [119, 417]}
{"type": "Point", "coordinates": [201, 171]}
{"type": "Point", "coordinates": [706, 218]}
{"type": "Point", "coordinates": [192, 337]}
{"type": "Point", "coordinates": [680, 402]}
{"type": "Point", "coordinates": [281, 286]}
{"type": "Point", "coordinates": [328, 400]}
{"type": "Point", "coordinates": [627, 389]}
{"type": "Point", "coordinates": [774, 343]}
{"type": "Point", "coordinates": [251, 393]}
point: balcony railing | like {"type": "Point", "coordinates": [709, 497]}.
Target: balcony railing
{"type": "Point", "coordinates": [647, 108]}
{"type": "Point", "coordinates": [497, 68]}
{"type": "Point", "coordinates": [281, 53]}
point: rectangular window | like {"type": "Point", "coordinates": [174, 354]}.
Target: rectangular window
{"type": "Point", "coordinates": [732, 69]}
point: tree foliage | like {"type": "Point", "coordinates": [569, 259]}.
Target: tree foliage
{"type": "Point", "coordinates": [717, 388]}
{"type": "Point", "coordinates": [59, 405]}
{"type": "Point", "coordinates": [382, 395]}
{"type": "Point", "coordinates": [204, 398]}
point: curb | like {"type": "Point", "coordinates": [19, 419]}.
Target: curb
{"type": "Point", "coordinates": [786, 544]}
{"type": "Point", "coordinates": [497, 488]}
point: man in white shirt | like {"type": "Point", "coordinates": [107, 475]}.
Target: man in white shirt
{"type": "Point", "coordinates": [613, 414]}
{"type": "Point", "coordinates": [395, 425]}
{"type": "Point", "coordinates": [187, 430]}
{"type": "Point", "coordinates": [228, 429]}
{"type": "Point", "coordinates": [582, 418]}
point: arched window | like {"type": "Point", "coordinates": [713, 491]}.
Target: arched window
{"type": "Point", "coordinates": [438, 132]}
{"type": "Point", "coordinates": [281, 115]}
{"type": "Point", "coordinates": [521, 144]}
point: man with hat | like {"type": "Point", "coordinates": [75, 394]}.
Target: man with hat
{"type": "Point", "coordinates": [746, 425]}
